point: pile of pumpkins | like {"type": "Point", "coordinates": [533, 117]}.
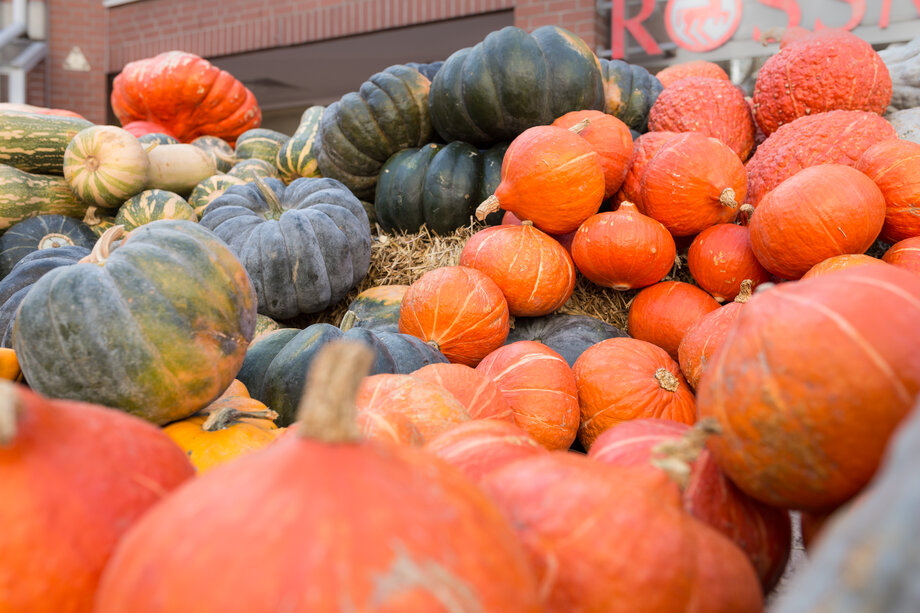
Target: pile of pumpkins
{"type": "Point", "coordinates": [458, 444]}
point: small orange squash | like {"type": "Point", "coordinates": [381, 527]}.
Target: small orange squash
{"type": "Point", "coordinates": [720, 258]}
{"type": "Point", "coordinates": [894, 165]}
{"type": "Point", "coordinates": [475, 391]}
{"type": "Point", "coordinates": [612, 140]}
{"type": "Point", "coordinates": [644, 149]}
{"type": "Point", "coordinates": [905, 254]}
{"type": "Point", "coordinates": [841, 262]}
{"type": "Point", "coordinates": [9, 365]}
{"type": "Point", "coordinates": [663, 313]}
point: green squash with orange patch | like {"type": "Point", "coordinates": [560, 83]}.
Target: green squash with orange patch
{"type": "Point", "coordinates": [630, 91]}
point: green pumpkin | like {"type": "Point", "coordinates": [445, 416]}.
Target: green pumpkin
{"type": "Point", "coordinates": [376, 309]}
{"type": "Point", "coordinates": [156, 325]}
{"type": "Point", "coordinates": [249, 170]}
{"type": "Point", "coordinates": [41, 232]}
{"type": "Point", "coordinates": [436, 185]}
{"type": "Point", "coordinates": [630, 92]}
{"type": "Point", "coordinates": [209, 189]}
{"type": "Point", "coordinates": [260, 144]}
{"type": "Point", "coordinates": [297, 157]}
{"type": "Point", "coordinates": [359, 132]}
{"type": "Point", "coordinates": [219, 150]}
{"type": "Point", "coordinates": [151, 205]}
{"type": "Point", "coordinates": [512, 81]}
{"type": "Point", "coordinates": [566, 334]}
{"type": "Point", "coordinates": [158, 138]}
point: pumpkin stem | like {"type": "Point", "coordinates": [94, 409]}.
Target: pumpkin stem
{"type": "Point", "coordinates": [434, 344]}
{"type": "Point", "coordinates": [103, 247]}
{"type": "Point", "coordinates": [327, 407]}
{"type": "Point", "coordinates": [667, 380]}
{"type": "Point", "coordinates": [90, 218]}
{"type": "Point", "coordinates": [527, 222]}
{"type": "Point", "coordinates": [9, 411]}
{"type": "Point", "coordinates": [746, 291]}
{"type": "Point", "coordinates": [488, 206]}
{"type": "Point", "coordinates": [348, 321]}
{"type": "Point", "coordinates": [271, 198]}
{"type": "Point", "coordinates": [746, 212]}
{"type": "Point", "coordinates": [227, 416]}
{"type": "Point", "coordinates": [675, 456]}
{"type": "Point", "coordinates": [581, 125]}
{"type": "Point", "coordinates": [727, 198]}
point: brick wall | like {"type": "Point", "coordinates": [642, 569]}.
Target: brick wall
{"type": "Point", "coordinates": [579, 16]}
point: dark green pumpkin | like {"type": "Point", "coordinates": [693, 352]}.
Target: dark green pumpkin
{"type": "Point", "coordinates": [209, 189]}
{"type": "Point", "coordinates": [567, 335]}
{"type": "Point", "coordinates": [250, 170]}
{"type": "Point", "coordinates": [512, 81]}
{"type": "Point", "coordinates": [41, 232]}
{"type": "Point", "coordinates": [305, 245]}
{"type": "Point", "coordinates": [630, 92]}
{"type": "Point", "coordinates": [376, 309]}
{"type": "Point", "coordinates": [158, 138]}
{"type": "Point", "coordinates": [275, 373]}
{"type": "Point", "coordinates": [152, 205]}
{"type": "Point", "coordinates": [156, 325]}
{"type": "Point", "coordinates": [429, 69]}
{"type": "Point", "coordinates": [260, 144]}
{"type": "Point", "coordinates": [219, 150]}
{"type": "Point", "coordinates": [297, 157]}
{"type": "Point", "coordinates": [359, 132]}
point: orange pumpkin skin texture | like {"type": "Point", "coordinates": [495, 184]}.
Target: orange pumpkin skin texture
{"type": "Point", "coordinates": [460, 309]}
{"type": "Point", "coordinates": [480, 446]}
{"type": "Point", "coordinates": [905, 254]}
{"type": "Point", "coordinates": [73, 478]}
{"type": "Point", "coordinates": [431, 408]}
{"type": "Point", "coordinates": [693, 182]}
{"type": "Point", "coordinates": [644, 149]}
{"type": "Point", "coordinates": [388, 425]}
{"type": "Point", "coordinates": [720, 258]}
{"type": "Point", "coordinates": [714, 107]}
{"type": "Point", "coordinates": [187, 95]}
{"type": "Point", "coordinates": [841, 262]}
{"type": "Point", "coordinates": [703, 339]}
{"type": "Point", "coordinates": [827, 70]}
{"type": "Point", "coordinates": [835, 137]}
{"type": "Point", "coordinates": [615, 539]}
{"type": "Point", "coordinates": [762, 532]}
{"type": "Point", "coordinates": [793, 380]}
{"type": "Point", "coordinates": [9, 365]}
{"type": "Point", "coordinates": [621, 379]}
{"type": "Point", "coordinates": [552, 177]}
{"type": "Point", "coordinates": [510, 219]}
{"type": "Point", "coordinates": [476, 392]}
{"type": "Point", "coordinates": [820, 212]}
{"type": "Point", "coordinates": [539, 386]}
{"type": "Point", "coordinates": [663, 313]}
{"type": "Point", "coordinates": [534, 272]}
{"type": "Point", "coordinates": [623, 249]}
{"type": "Point", "coordinates": [696, 68]}
{"type": "Point", "coordinates": [894, 165]}
{"type": "Point", "coordinates": [612, 140]}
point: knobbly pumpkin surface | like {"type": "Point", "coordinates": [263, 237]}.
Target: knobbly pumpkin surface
{"type": "Point", "coordinates": [696, 68]}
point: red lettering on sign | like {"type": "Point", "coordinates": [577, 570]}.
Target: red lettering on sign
{"type": "Point", "coordinates": [619, 25]}
{"type": "Point", "coordinates": [790, 7]}
{"type": "Point", "coordinates": [856, 14]}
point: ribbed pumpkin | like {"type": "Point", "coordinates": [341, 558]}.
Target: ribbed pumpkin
{"type": "Point", "coordinates": [540, 388]}
{"type": "Point", "coordinates": [389, 426]}
{"type": "Point", "coordinates": [253, 168]}
{"type": "Point", "coordinates": [644, 149]}
{"type": "Point", "coordinates": [510, 219]}
{"type": "Point", "coordinates": [210, 189]}
{"type": "Point", "coordinates": [186, 95]}
{"type": "Point", "coordinates": [151, 205]}
{"type": "Point", "coordinates": [792, 381]}
{"type": "Point", "coordinates": [157, 325]}
{"type": "Point", "coordinates": [158, 138]}
{"type": "Point", "coordinates": [550, 176]}
{"type": "Point", "coordinates": [829, 69]}
{"type": "Point", "coordinates": [543, 74]}
{"type": "Point", "coordinates": [663, 313]}
{"type": "Point", "coordinates": [534, 272]}
{"type": "Point", "coordinates": [74, 477]}
{"type": "Point", "coordinates": [894, 165]}
{"type": "Point", "coordinates": [41, 232]}
{"type": "Point", "coordinates": [623, 249]}
{"type": "Point", "coordinates": [566, 334]}
{"type": "Point", "coordinates": [693, 182]}
{"type": "Point", "coordinates": [480, 446]}
{"type": "Point", "coordinates": [431, 408]}
{"type": "Point", "coordinates": [841, 262]}
{"type": "Point", "coordinates": [820, 212]}
{"type": "Point", "coordinates": [260, 144]}
{"type": "Point", "coordinates": [616, 539]}
{"type": "Point", "coordinates": [297, 156]}
{"type": "Point", "coordinates": [705, 337]}
{"type": "Point", "coordinates": [762, 532]}
{"type": "Point", "coordinates": [476, 392]}
{"type": "Point", "coordinates": [621, 379]}
{"type": "Point", "coordinates": [720, 258]}
{"type": "Point", "coordinates": [714, 107]}
{"type": "Point", "coordinates": [835, 137]}
{"type": "Point", "coordinates": [610, 138]}
{"type": "Point", "coordinates": [629, 92]}
{"type": "Point", "coordinates": [105, 165]}
{"type": "Point", "coordinates": [695, 68]}
{"type": "Point", "coordinates": [377, 308]}
{"type": "Point", "coordinates": [376, 510]}
{"type": "Point", "coordinates": [218, 150]}
{"type": "Point", "coordinates": [458, 309]}
{"type": "Point", "coordinates": [905, 254]}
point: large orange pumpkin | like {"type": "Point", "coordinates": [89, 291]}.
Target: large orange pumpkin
{"type": "Point", "coordinates": [610, 138]}
{"type": "Point", "coordinates": [841, 262]}
{"type": "Point", "coordinates": [621, 379]}
{"type": "Point", "coordinates": [322, 521]}
{"type": "Point", "coordinates": [535, 273]}
{"type": "Point", "coordinates": [458, 309]}
{"type": "Point", "coordinates": [475, 391]}
{"type": "Point", "coordinates": [720, 258]}
{"type": "Point", "coordinates": [811, 381]}
{"type": "Point", "coordinates": [644, 149]}
{"type": "Point", "coordinates": [663, 313]}
{"type": "Point", "coordinates": [540, 387]}
{"type": "Point", "coordinates": [905, 254]}
{"type": "Point", "coordinates": [894, 165]}
{"type": "Point", "coordinates": [74, 477]}
{"type": "Point", "coordinates": [820, 212]}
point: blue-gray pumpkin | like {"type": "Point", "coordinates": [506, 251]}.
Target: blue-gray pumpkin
{"type": "Point", "coordinates": [41, 232]}
{"type": "Point", "coordinates": [568, 335]}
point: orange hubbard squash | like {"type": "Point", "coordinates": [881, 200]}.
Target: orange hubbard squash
{"type": "Point", "coordinates": [476, 392]}
{"type": "Point", "coordinates": [905, 254]}
{"type": "Point", "coordinates": [663, 313]}
{"type": "Point", "coordinates": [720, 258]}
{"type": "Point", "coordinates": [695, 68]}
{"type": "Point", "coordinates": [894, 165]}
{"type": "Point", "coordinates": [610, 138]}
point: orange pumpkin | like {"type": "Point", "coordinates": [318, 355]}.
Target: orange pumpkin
{"type": "Point", "coordinates": [720, 258]}
{"type": "Point", "coordinates": [610, 138]}
{"type": "Point", "coordinates": [550, 176]}
{"type": "Point", "coordinates": [9, 365]}
{"type": "Point", "coordinates": [905, 254]}
{"type": "Point", "coordinates": [894, 165]}
{"type": "Point", "coordinates": [695, 68]}
{"type": "Point", "coordinates": [620, 379]}
{"type": "Point", "coordinates": [820, 212]}
{"type": "Point", "coordinates": [458, 309]}
{"type": "Point", "coordinates": [539, 386]}
{"type": "Point", "coordinates": [791, 385]}
{"type": "Point", "coordinates": [841, 262]}
{"type": "Point", "coordinates": [318, 501]}
{"type": "Point", "coordinates": [74, 477]}
{"type": "Point", "coordinates": [693, 182]}
{"type": "Point", "coordinates": [623, 249]}
{"type": "Point", "coordinates": [388, 425]}
{"type": "Point", "coordinates": [644, 149]}
{"type": "Point", "coordinates": [510, 219]}
{"type": "Point", "coordinates": [534, 272]}
{"type": "Point", "coordinates": [477, 393]}
{"type": "Point", "coordinates": [663, 313]}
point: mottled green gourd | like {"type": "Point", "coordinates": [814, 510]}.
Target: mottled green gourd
{"type": "Point", "coordinates": [248, 170]}
{"type": "Point", "coordinates": [151, 205]}
{"type": "Point", "coordinates": [106, 165]}
{"type": "Point", "coordinates": [630, 91]}
{"type": "Point", "coordinates": [219, 150]}
{"type": "Point", "coordinates": [260, 144]}
{"type": "Point", "coordinates": [297, 157]}
{"type": "Point", "coordinates": [209, 189]}
{"type": "Point", "coordinates": [36, 143]}
{"type": "Point", "coordinates": [24, 195]}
